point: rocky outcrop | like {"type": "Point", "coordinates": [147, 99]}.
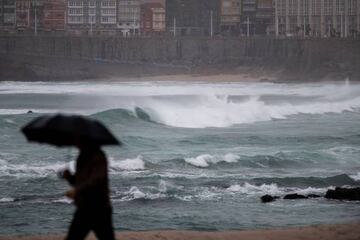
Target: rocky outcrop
{"type": "Point", "coordinates": [268, 198]}
{"type": "Point", "coordinates": [349, 194]}
{"type": "Point", "coordinates": [295, 196]}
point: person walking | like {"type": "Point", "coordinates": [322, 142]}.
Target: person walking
{"type": "Point", "coordinates": [90, 183]}
{"type": "Point", "coordinates": [90, 192]}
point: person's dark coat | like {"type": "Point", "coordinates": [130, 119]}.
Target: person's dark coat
{"type": "Point", "coordinates": [92, 200]}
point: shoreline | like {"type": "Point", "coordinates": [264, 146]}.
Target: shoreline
{"type": "Point", "coordinates": [350, 231]}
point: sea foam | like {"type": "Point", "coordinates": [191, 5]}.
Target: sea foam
{"type": "Point", "coordinates": [356, 177]}
{"type": "Point", "coordinates": [128, 164]}
{"type": "Point", "coordinates": [205, 160]}
{"type": "Point", "coordinates": [273, 189]}
{"type": "Point", "coordinates": [6, 199]}
{"type": "Point", "coordinates": [36, 170]}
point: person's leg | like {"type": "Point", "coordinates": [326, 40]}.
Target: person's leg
{"type": "Point", "coordinates": [79, 227]}
{"type": "Point", "coordinates": [103, 227]}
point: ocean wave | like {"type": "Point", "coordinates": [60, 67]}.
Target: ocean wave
{"type": "Point", "coordinates": [64, 200]}
{"type": "Point", "coordinates": [23, 111]}
{"type": "Point", "coordinates": [205, 160]}
{"type": "Point", "coordinates": [203, 105]}
{"type": "Point", "coordinates": [128, 164]}
{"type": "Point", "coordinates": [338, 180]}
{"type": "Point", "coordinates": [211, 193]}
{"type": "Point", "coordinates": [218, 111]}
{"type": "Point", "coordinates": [24, 170]}
{"type": "Point", "coordinates": [341, 150]}
{"type": "Point", "coordinates": [136, 194]}
{"type": "Point", "coordinates": [7, 199]}
{"type": "Point", "coordinates": [356, 177]}
{"type": "Point", "coordinates": [272, 189]}
{"type": "Point", "coordinates": [51, 169]}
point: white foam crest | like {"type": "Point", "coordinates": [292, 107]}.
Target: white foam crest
{"type": "Point", "coordinates": [205, 160]}
{"type": "Point", "coordinates": [341, 150]}
{"type": "Point", "coordinates": [133, 164]}
{"type": "Point", "coordinates": [273, 189]}
{"type": "Point", "coordinates": [250, 189]}
{"type": "Point", "coordinates": [218, 111]}
{"type": "Point", "coordinates": [63, 200]}
{"type": "Point", "coordinates": [6, 199]}
{"type": "Point", "coordinates": [312, 190]}
{"type": "Point", "coordinates": [356, 177]}
{"type": "Point", "coordinates": [24, 170]}
{"type": "Point", "coordinates": [135, 193]}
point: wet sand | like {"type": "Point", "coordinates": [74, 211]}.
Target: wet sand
{"type": "Point", "coordinates": [321, 232]}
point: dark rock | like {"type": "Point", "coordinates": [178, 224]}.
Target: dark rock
{"type": "Point", "coordinates": [313, 196]}
{"type": "Point", "coordinates": [268, 198]}
{"type": "Point", "coordinates": [350, 194]}
{"type": "Point", "coordinates": [295, 196]}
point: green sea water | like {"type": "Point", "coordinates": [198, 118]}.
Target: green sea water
{"type": "Point", "coordinates": [196, 155]}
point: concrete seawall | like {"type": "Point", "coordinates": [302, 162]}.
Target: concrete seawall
{"type": "Point", "coordinates": [309, 58]}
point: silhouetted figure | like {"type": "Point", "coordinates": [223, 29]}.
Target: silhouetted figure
{"type": "Point", "coordinates": [90, 194]}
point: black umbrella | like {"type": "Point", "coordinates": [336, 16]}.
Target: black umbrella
{"type": "Point", "coordinates": [66, 130]}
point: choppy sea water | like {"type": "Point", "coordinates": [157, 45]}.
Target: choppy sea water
{"type": "Point", "coordinates": [196, 155]}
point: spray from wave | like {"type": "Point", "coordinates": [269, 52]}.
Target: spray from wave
{"type": "Point", "coordinates": [195, 105]}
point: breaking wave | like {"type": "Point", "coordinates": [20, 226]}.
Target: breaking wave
{"type": "Point", "coordinates": [221, 111]}
{"type": "Point", "coordinates": [273, 189]}
{"type": "Point", "coordinates": [201, 105]}
{"type": "Point", "coordinates": [6, 199]}
{"type": "Point", "coordinates": [24, 170]}
{"type": "Point", "coordinates": [206, 160]}
{"type": "Point", "coordinates": [128, 164]}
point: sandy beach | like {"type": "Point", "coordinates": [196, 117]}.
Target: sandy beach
{"type": "Point", "coordinates": [326, 232]}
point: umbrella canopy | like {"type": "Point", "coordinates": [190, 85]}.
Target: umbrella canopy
{"type": "Point", "coordinates": [67, 130]}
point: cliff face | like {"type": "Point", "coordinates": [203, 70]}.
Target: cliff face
{"type": "Point", "coordinates": [293, 58]}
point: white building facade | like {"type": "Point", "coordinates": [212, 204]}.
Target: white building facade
{"type": "Point", "coordinates": [128, 19]}
{"type": "Point", "coordinates": [92, 16]}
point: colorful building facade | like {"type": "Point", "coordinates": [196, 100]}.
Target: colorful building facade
{"type": "Point", "coordinates": [152, 19]}
{"type": "Point", "coordinates": [54, 15]}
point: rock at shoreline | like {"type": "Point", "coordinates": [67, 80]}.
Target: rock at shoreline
{"type": "Point", "coordinates": [350, 194]}
{"type": "Point", "coordinates": [295, 196]}
{"type": "Point", "coordinates": [268, 198]}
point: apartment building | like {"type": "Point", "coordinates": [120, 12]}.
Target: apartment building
{"type": "Point", "coordinates": [128, 20]}
{"type": "Point", "coordinates": [196, 18]}
{"type": "Point", "coordinates": [265, 17]}
{"type": "Point", "coordinates": [108, 13]}
{"type": "Point", "coordinates": [230, 17]}
{"type": "Point", "coordinates": [7, 14]}
{"type": "Point", "coordinates": [91, 16]}
{"type": "Point", "coordinates": [317, 18]}
{"type": "Point", "coordinates": [53, 15]}
{"type": "Point", "coordinates": [23, 16]}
